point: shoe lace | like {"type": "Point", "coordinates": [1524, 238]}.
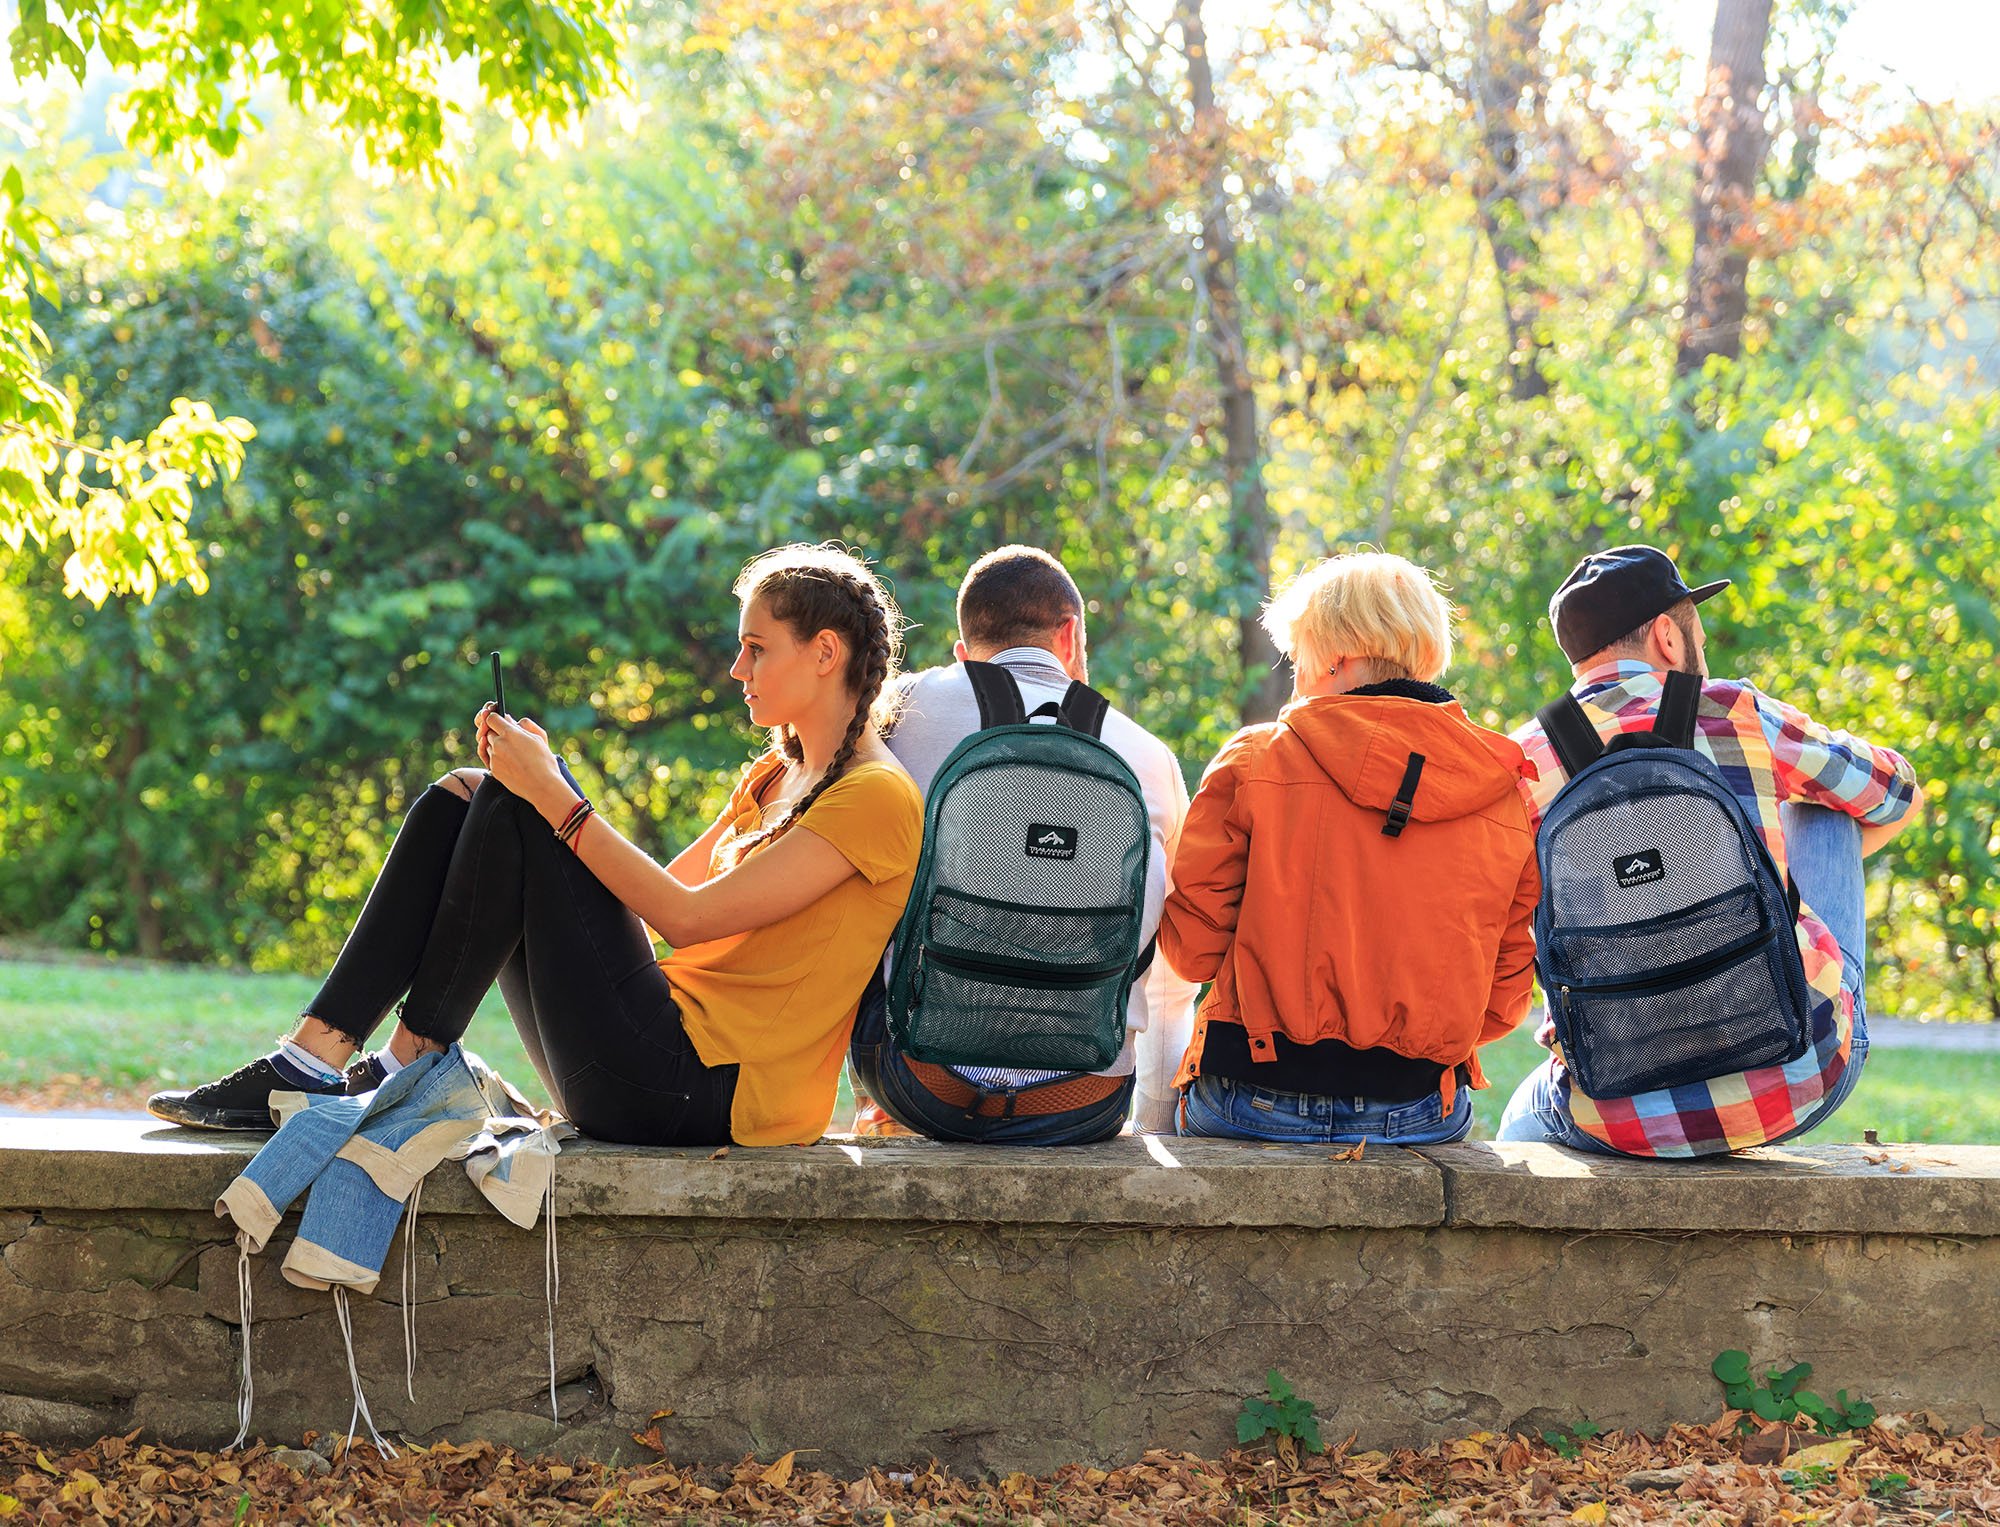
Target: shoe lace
{"type": "Point", "coordinates": [241, 1073]}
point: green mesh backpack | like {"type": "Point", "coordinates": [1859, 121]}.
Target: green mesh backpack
{"type": "Point", "coordinates": [1021, 936]}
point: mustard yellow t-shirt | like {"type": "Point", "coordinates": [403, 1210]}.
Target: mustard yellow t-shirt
{"type": "Point", "coordinates": [779, 1001]}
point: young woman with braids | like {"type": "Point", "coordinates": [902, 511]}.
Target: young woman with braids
{"type": "Point", "coordinates": [777, 914]}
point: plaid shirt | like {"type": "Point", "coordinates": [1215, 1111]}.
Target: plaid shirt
{"type": "Point", "coordinates": [1769, 753]}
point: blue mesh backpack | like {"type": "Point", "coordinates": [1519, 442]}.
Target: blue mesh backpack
{"type": "Point", "coordinates": [1665, 940]}
{"type": "Point", "coordinates": [1021, 936]}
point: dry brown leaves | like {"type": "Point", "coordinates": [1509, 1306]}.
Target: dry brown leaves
{"type": "Point", "coordinates": [1902, 1470]}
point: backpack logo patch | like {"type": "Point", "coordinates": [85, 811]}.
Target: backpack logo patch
{"type": "Point", "coordinates": [1045, 842]}
{"type": "Point", "coordinates": [1637, 869]}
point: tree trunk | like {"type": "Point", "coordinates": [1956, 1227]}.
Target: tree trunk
{"type": "Point", "coordinates": [1730, 144]}
{"type": "Point", "coordinates": [1506, 66]}
{"type": "Point", "coordinates": [1264, 687]}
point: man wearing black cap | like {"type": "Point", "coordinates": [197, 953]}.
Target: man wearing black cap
{"type": "Point", "coordinates": [1820, 799]}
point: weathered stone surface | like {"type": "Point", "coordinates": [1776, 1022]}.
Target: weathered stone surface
{"type": "Point", "coordinates": [1009, 1310]}
{"type": "Point", "coordinates": [1856, 1189]}
{"type": "Point", "coordinates": [97, 1164]}
{"type": "Point", "coordinates": [57, 1420]}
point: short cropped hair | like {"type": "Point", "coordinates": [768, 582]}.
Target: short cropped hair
{"type": "Point", "coordinates": [1370, 605]}
{"type": "Point", "coordinates": [1633, 642]}
{"type": "Point", "coordinates": [1015, 597]}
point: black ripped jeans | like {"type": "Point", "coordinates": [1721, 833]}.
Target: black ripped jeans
{"type": "Point", "coordinates": [479, 890]}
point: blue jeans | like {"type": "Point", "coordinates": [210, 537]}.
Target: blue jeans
{"type": "Point", "coordinates": [1223, 1107]}
{"type": "Point", "coordinates": [1824, 848]}
{"type": "Point", "coordinates": [884, 1074]}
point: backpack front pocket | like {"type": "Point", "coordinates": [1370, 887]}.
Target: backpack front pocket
{"type": "Point", "coordinates": [1726, 1014]}
{"type": "Point", "coordinates": [998, 984]}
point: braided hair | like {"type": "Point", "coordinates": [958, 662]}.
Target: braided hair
{"type": "Point", "coordinates": [827, 588]}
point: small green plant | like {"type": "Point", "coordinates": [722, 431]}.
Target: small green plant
{"type": "Point", "coordinates": [1568, 1440]}
{"type": "Point", "coordinates": [242, 1507]}
{"type": "Point", "coordinates": [1889, 1487]}
{"type": "Point", "coordinates": [1813, 1476]}
{"type": "Point", "coordinates": [1284, 1413]}
{"type": "Point", "coordinates": [1780, 1396]}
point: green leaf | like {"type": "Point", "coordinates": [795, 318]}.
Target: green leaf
{"type": "Point", "coordinates": [1248, 1427]}
{"type": "Point", "coordinates": [1789, 1381]}
{"type": "Point", "coordinates": [1280, 1389]}
{"type": "Point", "coordinates": [1732, 1367]}
{"type": "Point", "coordinates": [1767, 1406]}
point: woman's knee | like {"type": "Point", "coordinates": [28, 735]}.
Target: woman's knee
{"type": "Point", "coordinates": [461, 782]}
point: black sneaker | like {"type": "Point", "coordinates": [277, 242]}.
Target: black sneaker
{"type": "Point", "coordinates": [240, 1100]}
{"type": "Point", "coordinates": [365, 1074]}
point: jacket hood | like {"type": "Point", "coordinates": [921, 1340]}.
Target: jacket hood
{"type": "Point", "coordinates": [1364, 743]}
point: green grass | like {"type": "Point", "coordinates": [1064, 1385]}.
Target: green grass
{"type": "Point", "coordinates": [87, 1031]}
{"type": "Point", "coordinates": [116, 1030]}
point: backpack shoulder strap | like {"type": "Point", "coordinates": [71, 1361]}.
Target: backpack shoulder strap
{"type": "Point", "coordinates": [1570, 733]}
{"type": "Point", "coordinates": [998, 695]}
{"type": "Point", "coordinates": [1081, 709]}
{"type": "Point", "coordinates": [1084, 709]}
{"type": "Point", "coordinates": [1680, 698]}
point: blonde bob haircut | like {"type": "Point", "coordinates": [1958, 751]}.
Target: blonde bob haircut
{"type": "Point", "coordinates": [1370, 605]}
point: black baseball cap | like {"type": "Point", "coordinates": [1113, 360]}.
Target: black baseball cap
{"type": "Point", "coordinates": [1616, 591]}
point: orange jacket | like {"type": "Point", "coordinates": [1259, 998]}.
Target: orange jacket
{"type": "Point", "coordinates": [1315, 924]}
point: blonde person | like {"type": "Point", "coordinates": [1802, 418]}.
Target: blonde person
{"type": "Point", "coordinates": [1358, 880]}
{"type": "Point", "coordinates": [777, 913]}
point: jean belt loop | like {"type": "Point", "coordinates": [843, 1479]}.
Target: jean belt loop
{"type": "Point", "coordinates": [1448, 1089]}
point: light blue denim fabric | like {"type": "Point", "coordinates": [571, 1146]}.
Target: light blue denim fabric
{"type": "Point", "coordinates": [358, 1159]}
{"type": "Point", "coordinates": [1823, 850]}
{"type": "Point", "coordinates": [1223, 1107]}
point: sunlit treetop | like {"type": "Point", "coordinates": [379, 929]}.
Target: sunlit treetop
{"type": "Point", "coordinates": [388, 75]}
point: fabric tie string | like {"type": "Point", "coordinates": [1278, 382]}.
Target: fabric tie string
{"type": "Point", "coordinates": [552, 1288]}
{"type": "Point", "coordinates": [409, 1309]}
{"type": "Point", "coordinates": [360, 1413]}
{"type": "Point", "coordinates": [246, 1391]}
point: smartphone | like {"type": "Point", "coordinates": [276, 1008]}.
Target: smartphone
{"type": "Point", "coordinates": [499, 694]}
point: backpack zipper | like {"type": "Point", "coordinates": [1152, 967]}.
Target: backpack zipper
{"type": "Point", "coordinates": [1679, 975]}
{"type": "Point", "coordinates": [1040, 977]}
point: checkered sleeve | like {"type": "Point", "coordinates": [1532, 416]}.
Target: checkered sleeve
{"type": "Point", "coordinates": [1827, 767]}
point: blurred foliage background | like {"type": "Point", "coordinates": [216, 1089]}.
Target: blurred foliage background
{"type": "Point", "coordinates": [1188, 294]}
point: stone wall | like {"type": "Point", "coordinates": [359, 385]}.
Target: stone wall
{"type": "Point", "coordinates": [887, 1302]}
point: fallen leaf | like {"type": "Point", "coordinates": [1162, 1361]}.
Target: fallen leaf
{"type": "Point", "coordinates": [1658, 1479]}
{"type": "Point", "coordinates": [647, 1484]}
{"type": "Point", "coordinates": [1592, 1515]}
{"type": "Point", "coordinates": [42, 1463]}
{"type": "Point", "coordinates": [8, 1505]}
{"type": "Point", "coordinates": [779, 1474]}
{"type": "Point", "coordinates": [718, 1153]}
{"type": "Point", "coordinates": [1827, 1455]}
{"type": "Point", "coordinates": [1352, 1153]}
{"type": "Point", "coordinates": [1899, 1166]}
{"type": "Point", "coordinates": [1767, 1446]}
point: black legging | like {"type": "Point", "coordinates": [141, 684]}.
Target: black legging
{"type": "Point", "coordinates": [478, 890]}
